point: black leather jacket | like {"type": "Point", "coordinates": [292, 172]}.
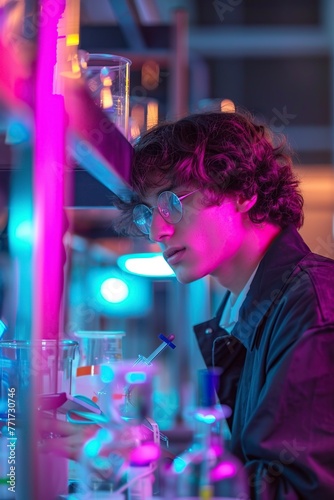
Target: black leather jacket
{"type": "Point", "coordinates": [278, 373]}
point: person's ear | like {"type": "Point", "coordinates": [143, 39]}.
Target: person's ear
{"type": "Point", "coordinates": [244, 204]}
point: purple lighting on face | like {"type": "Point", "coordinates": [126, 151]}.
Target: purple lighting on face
{"type": "Point", "coordinates": [223, 471]}
{"type": "Point", "coordinates": [145, 454]}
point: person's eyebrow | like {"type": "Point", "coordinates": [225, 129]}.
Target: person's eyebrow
{"type": "Point", "coordinates": [169, 188]}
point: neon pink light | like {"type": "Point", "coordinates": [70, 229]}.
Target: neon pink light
{"type": "Point", "coordinates": [223, 471]}
{"type": "Point", "coordinates": [48, 173]}
{"type": "Point", "coordinates": [144, 454]}
{"type": "Point", "coordinates": [48, 196]}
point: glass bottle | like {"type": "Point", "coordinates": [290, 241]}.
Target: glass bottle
{"type": "Point", "coordinates": [96, 349]}
{"type": "Point", "coordinates": [206, 470]}
{"type": "Point", "coordinates": [122, 444]}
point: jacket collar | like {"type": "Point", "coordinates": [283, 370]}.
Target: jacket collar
{"type": "Point", "coordinates": [274, 270]}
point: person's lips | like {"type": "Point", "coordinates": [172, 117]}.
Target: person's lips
{"type": "Point", "coordinates": [173, 255]}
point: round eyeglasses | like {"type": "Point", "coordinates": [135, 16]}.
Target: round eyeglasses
{"type": "Point", "coordinates": [169, 206]}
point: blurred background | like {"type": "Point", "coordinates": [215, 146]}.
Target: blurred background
{"type": "Point", "coordinates": [273, 58]}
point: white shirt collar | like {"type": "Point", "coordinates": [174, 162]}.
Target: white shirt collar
{"type": "Point", "coordinates": [231, 310]}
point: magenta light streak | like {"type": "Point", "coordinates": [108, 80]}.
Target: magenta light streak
{"type": "Point", "coordinates": [48, 174]}
{"type": "Point", "coordinates": [144, 454]}
{"type": "Point", "coordinates": [223, 471]}
{"type": "Point", "coordinates": [48, 196]}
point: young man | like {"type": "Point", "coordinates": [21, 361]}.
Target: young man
{"type": "Point", "coordinates": [220, 197]}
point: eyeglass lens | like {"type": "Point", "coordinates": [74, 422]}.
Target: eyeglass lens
{"type": "Point", "coordinates": [169, 206]}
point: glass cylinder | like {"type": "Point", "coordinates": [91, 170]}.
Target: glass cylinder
{"type": "Point", "coordinates": [124, 441]}
{"type": "Point", "coordinates": [48, 364]}
{"type": "Point", "coordinates": [49, 361]}
{"type": "Point", "coordinates": [108, 79]}
{"type": "Point", "coordinates": [144, 114]}
{"type": "Point", "coordinates": [96, 349]}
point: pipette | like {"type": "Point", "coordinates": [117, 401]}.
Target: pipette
{"type": "Point", "coordinates": [165, 342]}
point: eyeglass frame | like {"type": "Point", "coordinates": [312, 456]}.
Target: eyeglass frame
{"type": "Point", "coordinates": [151, 209]}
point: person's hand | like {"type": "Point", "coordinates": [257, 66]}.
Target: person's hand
{"type": "Point", "coordinates": [68, 439]}
{"type": "Point", "coordinates": [64, 438]}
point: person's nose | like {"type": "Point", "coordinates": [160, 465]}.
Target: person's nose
{"type": "Point", "coordinates": [160, 228]}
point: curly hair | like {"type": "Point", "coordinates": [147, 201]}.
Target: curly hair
{"type": "Point", "coordinates": [223, 154]}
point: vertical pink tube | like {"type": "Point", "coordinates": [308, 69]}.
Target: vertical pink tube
{"type": "Point", "coordinates": [49, 173]}
{"type": "Point", "coordinates": [48, 196]}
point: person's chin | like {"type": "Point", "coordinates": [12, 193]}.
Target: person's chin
{"type": "Point", "coordinates": [185, 278]}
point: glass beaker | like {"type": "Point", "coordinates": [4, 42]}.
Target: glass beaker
{"type": "Point", "coordinates": [108, 79]}
{"type": "Point", "coordinates": [48, 365]}
{"type": "Point", "coordinates": [123, 439]}
{"type": "Point", "coordinates": [144, 114]}
{"type": "Point", "coordinates": [96, 348]}
{"type": "Point", "coordinates": [49, 361]}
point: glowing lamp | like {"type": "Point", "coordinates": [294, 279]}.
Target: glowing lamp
{"type": "Point", "coordinates": [152, 265]}
{"type": "Point", "coordinates": [115, 293]}
{"type": "Point", "coordinates": [227, 106]}
{"type": "Point", "coordinates": [114, 290]}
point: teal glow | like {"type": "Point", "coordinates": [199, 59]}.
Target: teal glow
{"type": "Point", "coordinates": [3, 327]}
{"type": "Point", "coordinates": [24, 231]}
{"type": "Point", "coordinates": [179, 465]}
{"type": "Point", "coordinates": [114, 290]}
{"type": "Point", "coordinates": [17, 132]}
{"type": "Point", "coordinates": [145, 264]}
{"type": "Point", "coordinates": [136, 377]}
{"type": "Point", "coordinates": [207, 419]}
{"type": "Point", "coordinates": [92, 448]}
{"type": "Point", "coordinates": [107, 374]}
{"type": "Point", "coordinates": [105, 436]}
{"type": "Point", "coordinates": [137, 303]}
{"type": "Point", "coordinates": [20, 237]}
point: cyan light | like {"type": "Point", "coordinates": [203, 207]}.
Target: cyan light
{"type": "Point", "coordinates": [179, 465]}
{"type": "Point", "coordinates": [92, 448]}
{"type": "Point", "coordinates": [136, 377]}
{"type": "Point", "coordinates": [116, 293]}
{"type": "Point", "coordinates": [145, 264]}
{"type": "Point", "coordinates": [206, 418]}
{"type": "Point", "coordinates": [107, 374]}
{"type": "Point", "coordinates": [24, 232]}
{"type": "Point", "coordinates": [3, 328]}
{"type": "Point", "coordinates": [114, 290]}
